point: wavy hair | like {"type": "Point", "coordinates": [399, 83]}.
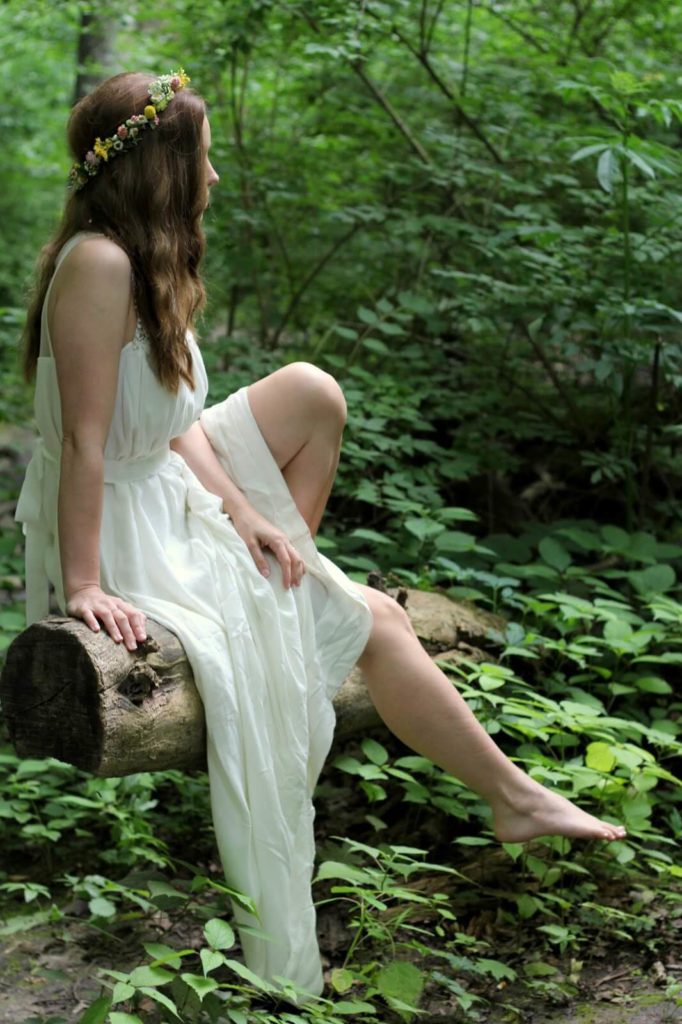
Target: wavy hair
{"type": "Point", "coordinates": [150, 201]}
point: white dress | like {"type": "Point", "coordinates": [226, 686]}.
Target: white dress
{"type": "Point", "coordinates": [266, 661]}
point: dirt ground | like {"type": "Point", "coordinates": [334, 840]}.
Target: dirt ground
{"type": "Point", "coordinates": [49, 976]}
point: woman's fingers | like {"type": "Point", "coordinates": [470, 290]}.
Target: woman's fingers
{"type": "Point", "coordinates": [122, 622]}
{"type": "Point", "coordinates": [296, 563]}
{"type": "Point", "coordinates": [265, 536]}
{"type": "Point", "coordinates": [297, 566]}
{"type": "Point", "coordinates": [137, 620]}
{"type": "Point", "coordinates": [293, 566]}
{"type": "Point", "coordinates": [125, 629]}
{"type": "Point", "coordinates": [90, 619]}
{"type": "Point", "coordinates": [106, 616]}
{"type": "Point", "coordinates": [279, 549]}
{"type": "Point", "coordinates": [258, 557]}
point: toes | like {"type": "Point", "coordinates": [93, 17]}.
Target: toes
{"type": "Point", "coordinates": [605, 830]}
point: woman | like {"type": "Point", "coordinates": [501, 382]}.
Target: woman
{"type": "Point", "coordinates": [137, 502]}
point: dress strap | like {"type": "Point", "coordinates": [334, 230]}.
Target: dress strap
{"type": "Point", "coordinates": [45, 339]}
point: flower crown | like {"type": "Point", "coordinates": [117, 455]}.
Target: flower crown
{"type": "Point", "coordinates": [161, 92]}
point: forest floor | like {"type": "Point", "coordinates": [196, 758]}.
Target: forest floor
{"type": "Point", "coordinates": [49, 974]}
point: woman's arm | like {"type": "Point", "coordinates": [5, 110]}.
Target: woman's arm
{"type": "Point", "coordinates": [198, 453]}
{"type": "Point", "coordinates": [88, 319]}
{"type": "Point", "coordinates": [255, 531]}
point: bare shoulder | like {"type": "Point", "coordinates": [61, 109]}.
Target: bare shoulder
{"type": "Point", "coordinates": [93, 280]}
{"type": "Point", "coordinates": [98, 257]}
{"type": "Point", "coordinates": [91, 305]}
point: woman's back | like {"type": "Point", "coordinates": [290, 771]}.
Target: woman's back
{"type": "Point", "coordinates": [146, 415]}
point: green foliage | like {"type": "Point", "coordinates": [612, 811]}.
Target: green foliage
{"type": "Point", "coordinates": [51, 803]}
{"type": "Point", "coordinates": [14, 400]}
{"type": "Point", "coordinates": [469, 214]}
{"type": "Point", "coordinates": [372, 890]}
{"type": "Point", "coordinates": [479, 242]}
{"type": "Point", "coordinates": [586, 732]}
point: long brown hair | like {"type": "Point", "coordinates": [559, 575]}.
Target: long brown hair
{"type": "Point", "coordinates": [150, 201]}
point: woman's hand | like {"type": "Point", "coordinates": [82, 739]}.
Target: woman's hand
{"type": "Point", "coordinates": [257, 533]}
{"type": "Point", "coordinates": [121, 620]}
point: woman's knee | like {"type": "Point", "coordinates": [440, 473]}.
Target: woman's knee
{"type": "Point", "coordinates": [319, 391]}
{"type": "Point", "coordinates": [388, 618]}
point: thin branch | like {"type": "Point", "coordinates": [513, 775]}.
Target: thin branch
{"type": "Point", "coordinates": [242, 88]}
{"type": "Point", "coordinates": [432, 27]}
{"type": "Point", "coordinates": [236, 113]}
{"type": "Point", "coordinates": [422, 23]}
{"type": "Point", "coordinates": [232, 304]}
{"type": "Point", "coordinates": [651, 420]}
{"type": "Point", "coordinates": [309, 278]}
{"type": "Point", "coordinates": [520, 31]}
{"type": "Point", "coordinates": [608, 23]}
{"type": "Point", "coordinates": [277, 235]}
{"type": "Point", "coordinates": [386, 105]}
{"type": "Point", "coordinates": [423, 59]}
{"type": "Point", "coordinates": [515, 385]}
{"type": "Point", "coordinates": [580, 13]}
{"type": "Point", "coordinates": [245, 174]}
{"type": "Point", "coordinates": [556, 380]}
{"type": "Point", "coordinates": [467, 49]}
{"type": "Point", "coordinates": [379, 97]}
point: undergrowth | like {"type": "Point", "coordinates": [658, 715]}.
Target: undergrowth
{"type": "Point", "coordinates": [573, 680]}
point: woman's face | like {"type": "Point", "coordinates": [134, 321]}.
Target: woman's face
{"type": "Point", "coordinates": [209, 171]}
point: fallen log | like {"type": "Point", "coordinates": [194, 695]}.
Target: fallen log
{"type": "Point", "coordinates": [69, 693]}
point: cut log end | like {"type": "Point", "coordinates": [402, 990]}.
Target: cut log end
{"type": "Point", "coordinates": [50, 694]}
{"type": "Point", "coordinates": [73, 694]}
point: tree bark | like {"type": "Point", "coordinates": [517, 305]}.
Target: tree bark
{"type": "Point", "coordinates": [94, 58]}
{"type": "Point", "coordinates": [75, 695]}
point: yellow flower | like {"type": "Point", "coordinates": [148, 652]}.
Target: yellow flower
{"type": "Point", "coordinates": [184, 78]}
{"type": "Point", "coordinates": [101, 149]}
{"type": "Point", "coordinates": [150, 112]}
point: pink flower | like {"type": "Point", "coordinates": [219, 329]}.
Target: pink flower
{"type": "Point", "coordinates": [175, 83]}
{"type": "Point", "coordinates": [122, 131]}
{"type": "Point", "coordinates": [90, 158]}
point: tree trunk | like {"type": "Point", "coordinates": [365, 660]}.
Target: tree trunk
{"type": "Point", "coordinates": [75, 695]}
{"type": "Point", "coordinates": [94, 58]}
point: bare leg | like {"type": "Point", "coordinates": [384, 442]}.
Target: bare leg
{"type": "Point", "coordinates": [422, 707]}
{"type": "Point", "coordinates": [301, 413]}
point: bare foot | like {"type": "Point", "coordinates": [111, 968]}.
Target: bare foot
{"type": "Point", "coordinates": [540, 812]}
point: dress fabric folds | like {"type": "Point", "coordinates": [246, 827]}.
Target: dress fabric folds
{"type": "Point", "coordinates": [266, 661]}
